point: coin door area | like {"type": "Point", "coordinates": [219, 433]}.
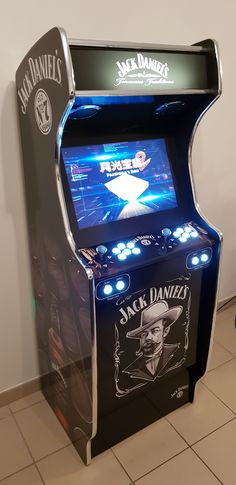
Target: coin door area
{"type": "Point", "coordinates": [124, 267]}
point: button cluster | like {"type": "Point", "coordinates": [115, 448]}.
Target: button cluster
{"type": "Point", "coordinates": [185, 233]}
{"type": "Point", "coordinates": [199, 258]}
{"type": "Point", "coordinates": [112, 287]}
{"type": "Point", "coordinates": [122, 250]}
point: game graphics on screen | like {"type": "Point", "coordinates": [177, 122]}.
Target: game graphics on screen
{"type": "Point", "coordinates": [117, 181]}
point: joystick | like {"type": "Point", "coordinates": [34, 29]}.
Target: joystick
{"type": "Point", "coordinates": [101, 250]}
{"type": "Point", "coordinates": [165, 232]}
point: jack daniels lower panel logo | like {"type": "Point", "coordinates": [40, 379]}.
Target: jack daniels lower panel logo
{"type": "Point", "coordinates": [152, 336]}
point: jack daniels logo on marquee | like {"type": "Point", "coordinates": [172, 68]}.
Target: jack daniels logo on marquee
{"type": "Point", "coordinates": [142, 70]}
{"type": "Point", "coordinates": [151, 335]}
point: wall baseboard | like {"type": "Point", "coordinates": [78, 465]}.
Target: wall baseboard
{"type": "Point", "coordinates": [17, 392]}
{"type": "Point", "coordinates": [230, 299]}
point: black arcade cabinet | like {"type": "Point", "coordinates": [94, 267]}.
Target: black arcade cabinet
{"type": "Point", "coordinates": [124, 267]}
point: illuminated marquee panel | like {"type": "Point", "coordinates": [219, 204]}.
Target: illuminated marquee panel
{"type": "Point", "coordinates": [114, 69]}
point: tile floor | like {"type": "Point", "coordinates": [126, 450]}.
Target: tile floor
{"type": "Point", "coordinates": [195, 445]}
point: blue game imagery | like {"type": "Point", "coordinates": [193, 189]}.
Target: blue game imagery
{"type": "Point", "coordinates": [116, 181]}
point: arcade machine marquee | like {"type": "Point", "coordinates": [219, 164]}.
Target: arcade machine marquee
{"type": "Point", "coordinates": [124, 267]}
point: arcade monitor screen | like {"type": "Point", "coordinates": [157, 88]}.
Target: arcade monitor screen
{"type": "Point", "coordinates": [116, 181]}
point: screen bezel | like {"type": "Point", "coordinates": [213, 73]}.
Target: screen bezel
{"type": "Point", "coordinates": [124, 228]}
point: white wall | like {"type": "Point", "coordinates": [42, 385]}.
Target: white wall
{"type": "Point", "coordinates": [171, 22]}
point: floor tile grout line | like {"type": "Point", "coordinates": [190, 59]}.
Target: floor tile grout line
{"type": "Point", "coordinates": [27, 446]}
{"type": "Point", "coordinates": [12, 413]}
{"type": "Point", "coordinates": [19, 429]}
{"type": "Point", "coordinates": [211, 432]}
{"type": "Point", "coordinates": [176, 430]}
{"type": "Point", "coordinates": [163, 463]}
{"type": "Point", "coordinates": [222, 345]}
{"type": "Point", "coordinates": [122, 466]}
{"type": "Point", "coordinates": [37, 468]}
{"type": "Point", "coordinates": [187, 446]}
{"type": "Point", "coordinates": [190, 446]}
{"type": "Point", "coordinates": [35, 461]}
{"type": "Point", "coordinates": [219, 365]}
{"type": "Point", "coordinates": [208, 434]}
{"type": "Point", "coordinates": [15, 473]}
{"type": "Point", "coordinates": [71, 444]}
{"type": "Point", "coordinates": [207, 466]}
{"type": "Point", "coordinates": [53, 453]}
{"type": "Point", "coordinates": [221, 400]}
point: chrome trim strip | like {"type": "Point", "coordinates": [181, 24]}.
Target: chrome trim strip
{"type": "Point", "coordinates": [71, 240]}
{"type": "Point", "coordinates": [215, 306]}
{"type": "Point", "coordinates": [90, 276]}
{"type": "Point", "coordinates": [191, 143]}
{"type": "Point", "coordinates": [94, 371]}
{"type": "Point", "coordinates": [133, 45]}
{"type": "Point", "coordinates": [69, 65]}
{"type": "Point", "coordinates": [161, 92]}
{"type": "Point", "coordinates": [88, 453]}
{"type": "Point", "coordinates": [190, 154]}
{"type": "Point", "coordinates": [60, 192]}
{"type": "Point", "coordinates": [194, 193]}
{"type": "Point", "coordinates": [219, 65]}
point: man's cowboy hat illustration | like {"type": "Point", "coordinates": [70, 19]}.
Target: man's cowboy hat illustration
{"type": "Point", "coordinates": [153, 314]}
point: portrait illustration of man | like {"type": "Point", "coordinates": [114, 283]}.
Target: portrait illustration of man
{"type": "Point", "coordinates": [155, 357]}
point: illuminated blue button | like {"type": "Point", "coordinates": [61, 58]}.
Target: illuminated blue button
{"type": "Point", "coordinates": [116, 251]}
{"type": "Point", "coordinates": [130, 245]}
{"type": "Point", "coordinates": [179, 230]}
{"type": "Point", "coordinates": [186, 234]}
{"type": "Point", "coordinates": [126, 251]}
{"type": "Point", "coordinates": [121, 246]}
{"type": "Point", "coordinates": [107, 290]}
{"type": "Point", "coordinates": [195, 260]}
{"type": "Point", "coordinates": [121, 256]}
{"type": "Point", "coordinates": [120, 285]}
{"type": "Point", "coordinates": [176, 234]}
{"type": "Point", "coordinates": [194, 234]}
{"type": "Point", "coordinates": [136, 251]}
{"type": "Point", "coordinates": [204, 257]}
{"type": "Point", "coordinates": [182, 239]}
{"type": "Point", "coordinates": [188, 229]}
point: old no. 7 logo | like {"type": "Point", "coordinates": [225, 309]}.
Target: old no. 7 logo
{"type": "Point", "coordinates": [43, 111]}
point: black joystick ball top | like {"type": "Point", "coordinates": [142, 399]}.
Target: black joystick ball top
{"type": "Point", "coordinates": [101, 251]}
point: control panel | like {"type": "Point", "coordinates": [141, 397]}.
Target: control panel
{"type": "Point", "coordinates": [121, 255]}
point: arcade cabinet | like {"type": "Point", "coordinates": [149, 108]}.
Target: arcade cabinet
{"type": "Point", "coordinates": [124, 266]}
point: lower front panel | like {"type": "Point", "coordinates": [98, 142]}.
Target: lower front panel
{"type": "Point", "coordinates": [146, 341]}
{"type": "Point", "coordinates": [140, 410]}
